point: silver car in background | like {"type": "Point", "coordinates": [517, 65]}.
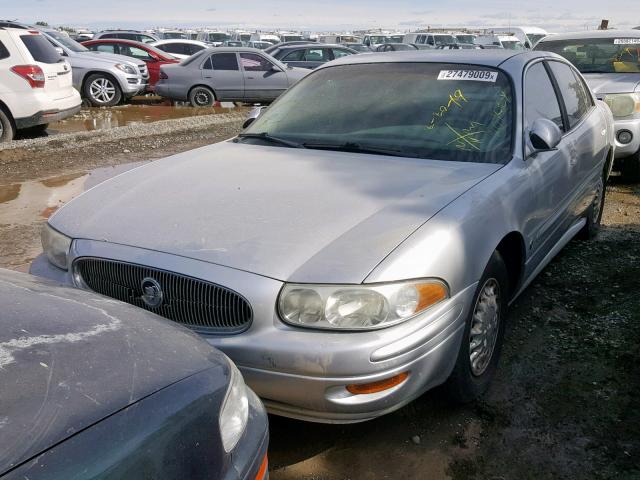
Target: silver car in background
{"type": "Point", "coordinates": [227, 74]}
{"type": "Point", "coordinates": [350, 253]}
{"type": "Point", "coordinates": [610, 63]}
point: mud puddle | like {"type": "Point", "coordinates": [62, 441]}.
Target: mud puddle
{"type": "Point", "coordinates": [106, 118]}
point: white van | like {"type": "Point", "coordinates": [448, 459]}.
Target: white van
{"type": "Point", "coordinates": [213, 37]}
{"type": "Point", "coordinates": [265, 37]}
{"type": "Point", "coordinates": [528, 36]}
{"type": "Point", "coordinates": [508, 42]}
{"type": "Point", "coordinates": [429, 40]}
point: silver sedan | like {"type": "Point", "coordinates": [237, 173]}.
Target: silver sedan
{"type": "Point", "coordinates": [361, 241]}
{"type": "Point", "coordinates": [227, 74]}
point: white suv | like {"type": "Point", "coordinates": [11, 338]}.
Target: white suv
{"type": "Point", "coordinates": [35, 83]}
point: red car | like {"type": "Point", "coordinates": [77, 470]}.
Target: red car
{"type": "Point", "coordinates": [153, 57]}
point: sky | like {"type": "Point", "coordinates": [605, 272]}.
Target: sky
{"type": "Point", "coordinates": [323, 15]}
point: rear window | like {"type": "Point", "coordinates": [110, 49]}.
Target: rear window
{"type": "Point", "coordinates": [40, 49]}
{"type": "Point", "coordinates": [4, 53]}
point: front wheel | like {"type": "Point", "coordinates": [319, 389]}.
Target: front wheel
{"type": "Point", "coordinates": [102, 90]}
{"type": "Point", "coordinates": [594, 213]}
{"type": "Point", "coordinates": [483, 335]}
{"type": "Point", "coordinates": [201, 97]}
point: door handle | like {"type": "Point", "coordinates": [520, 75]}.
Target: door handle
{"type": "Point", "coordinates": [251, 78]}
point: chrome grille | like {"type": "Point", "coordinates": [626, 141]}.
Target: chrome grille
{"type": "Point", "coordinates": [199, 305]}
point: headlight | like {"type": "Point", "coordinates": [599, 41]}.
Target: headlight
{"type": "Point", "coordinates": [357, 307]}
{"type": "Point", "coordinates": [623, 104]}
{"type": "Point", "coordinates": [235, 410]}
{"type": "Point", "coordinates": [56, 246]}
{"type": "Point", "coordinates": [126, 68]}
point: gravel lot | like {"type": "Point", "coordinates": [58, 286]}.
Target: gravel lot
{"type": "Point", "coordinates": [564, 403]}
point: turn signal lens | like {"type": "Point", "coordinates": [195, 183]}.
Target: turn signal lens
{"type": "Point", "coordinates": [379, 386]}
{"type": "Point", "coordinates": [430, 294]}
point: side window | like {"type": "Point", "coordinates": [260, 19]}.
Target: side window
{"type": "Point", "coordinates": [107, 48]}
{"type": "Point", "coordinates": [4, 53]}
{"type": "Point", "coordinates": [430, 40]}
{"type": "Point", "coordinates": [295, 56]}
{"type": "Point", "coordinates": [338, 52]}
{"type": "Point", "coordinates": [173, 48]}
{"type": "Point", "coordinates": [207, 64]}
{"type": "Point", "coordinates": [128, 36]}
{"type": "Point", "coordinates": [110, 35]}
{"type": "Point", "coordinates": [540, 100]}
{"type": "Point", "coordinates": [191, 49]}
{"type": "Point", "coordinates": [315, 55]}
{"type": "Point", "coordinates": [255, 63]}
{"type": "Point", "coordinates": [224, 61]}
{"type": "Point", "coordinates": [137, 53]}
{"type": "Point", "coordinates": [576, 100]}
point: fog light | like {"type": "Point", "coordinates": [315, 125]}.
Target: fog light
{"type": "Point", "coordinates": [625, 136]}
{"type": "Point", "coordinates": [379, 386]}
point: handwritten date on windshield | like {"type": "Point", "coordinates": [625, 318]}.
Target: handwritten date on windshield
{"type": "Point", "coordinates": [456, 99]}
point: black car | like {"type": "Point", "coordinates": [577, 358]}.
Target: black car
{"type": "Point", "coordinates": [310, 56]}
{"type": "Point", "coordinates": [395, 47]}
{"type": "Point", "coordinates": [93, 388]}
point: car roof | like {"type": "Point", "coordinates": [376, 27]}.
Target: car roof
{"type": "Point", "coordinates": [593, 34]}
{"type": "Point", "coordinates": [178, 40]}
{"type": "Point", "coordinates": [488, 58]}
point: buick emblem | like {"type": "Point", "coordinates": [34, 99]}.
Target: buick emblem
{"type": "Point", "coordinates": [151, 293]}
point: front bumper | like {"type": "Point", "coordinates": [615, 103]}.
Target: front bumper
{"type": "Point", "coordinates": [632, 125]}
{"type": "Point", "coordinates": [303, 373]}
{"type": "Point", "coordinates": [132, 85]}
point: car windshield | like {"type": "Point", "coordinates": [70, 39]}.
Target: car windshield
{"type": "Point", "coordinates": [395, 39]}
{"type": "Point", "coordinates": [466, 39]}
{"type": "Point", "coordinates": [535, 38]}
{"type": "Point", "coordinates": [429, 110]}
{"type": "Point", "coordinates": [218, 37]}
{"type": "Point", "coordinates": [444, 39]}
{"type": "Point", "coordinates": [512, 45]}
{"type": "Point", "coordinates": [66, 42]}
{"type": "Point", "coordinates": [174, 35]}
{"type": "Point", "coordinates": [375, 39]}
{"type": "Point", "coordinates": [598, 55]}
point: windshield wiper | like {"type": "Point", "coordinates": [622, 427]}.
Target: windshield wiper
{"type": "Point", "coordinates": [358, 148]}
{"type": "Point", "coordinates": [269, 138]}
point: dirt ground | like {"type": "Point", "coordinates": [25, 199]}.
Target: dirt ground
{"type": "Point", "coordinates": [564, 404]}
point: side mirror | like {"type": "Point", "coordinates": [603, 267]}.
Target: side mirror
{"type": "Point", "coordinates": [253, 115]}
{"type": "Point", "coordinates": [275, 68]}
{"type": "Point", "coordinates": [60, 51]}
{"type": "Point", "coordinates": [544, 135]}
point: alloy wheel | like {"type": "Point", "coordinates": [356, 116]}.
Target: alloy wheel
{"type": "Point", "coordinates": [485, 326]}
{"type": "Point", "coordinates": [102, 90]}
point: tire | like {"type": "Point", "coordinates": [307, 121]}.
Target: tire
{"type": "Point", "coordinates": [471, 377]}
{"type": "Point", "coordinates": [594, 213]}
{"type": "Point", "coordinates": [631, 168]}
{"type": "Point", "coordinates": [102, 90]}
{"type": "Point", "coordinates": [7, 131]}
{"type": "Point", "coordinates": [201, 97]}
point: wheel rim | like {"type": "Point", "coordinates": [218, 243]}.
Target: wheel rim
{"type": "Point", "coordinates": [202, 98]}
{"type": "Point", "coordinates": [485, 324]}
{"type": "Point", "coordinates": [597, 202]}
{"type": "Point", "coordinates": [102, 90]}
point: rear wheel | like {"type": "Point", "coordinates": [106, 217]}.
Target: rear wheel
{"type": "Point", "coordinates": [631, 168]}
{"type": "Point", "coordinates": [7, 132]}
{"type": "Point", "coordinates": [102, 90]}
{"type": "Point", "coordinates": [201, 97]}
{"type": "Point", "coordinates": [594, 213]}
{"type": "Point", "coordinates": [483, 335]}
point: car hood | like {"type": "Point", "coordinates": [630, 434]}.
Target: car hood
{"type": "Point", "coordinates": [285, 213]}
{"type": "Point", "coordinates": [69, 359]}
{"type": "Point", "coordinates": [296, 73]}
{"type": "Point", "coordinates": [105, 58]}
{"type": "Point", "coordinates": [604, 83]}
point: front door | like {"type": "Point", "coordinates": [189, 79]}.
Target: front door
{"type": "Point", "coordinates": [548, 172]}
{"type": "Point", "coordinates": [263, 80]}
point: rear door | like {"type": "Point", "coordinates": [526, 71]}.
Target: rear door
{"type": "Point", "coordinates": [57, 71]}
{"type": "Point", "coordinates": [294, 58]}
{"type": "Point", "coordinates": [263, 80]}
{"type": "Point", "coordinates": [221, 72]}
{"type": "Point", "coordinates": [548, 172]}
{"type": "Point", "coordinates": [586, 138]}
{"type": "Point", "coordinates": [314, 57]}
